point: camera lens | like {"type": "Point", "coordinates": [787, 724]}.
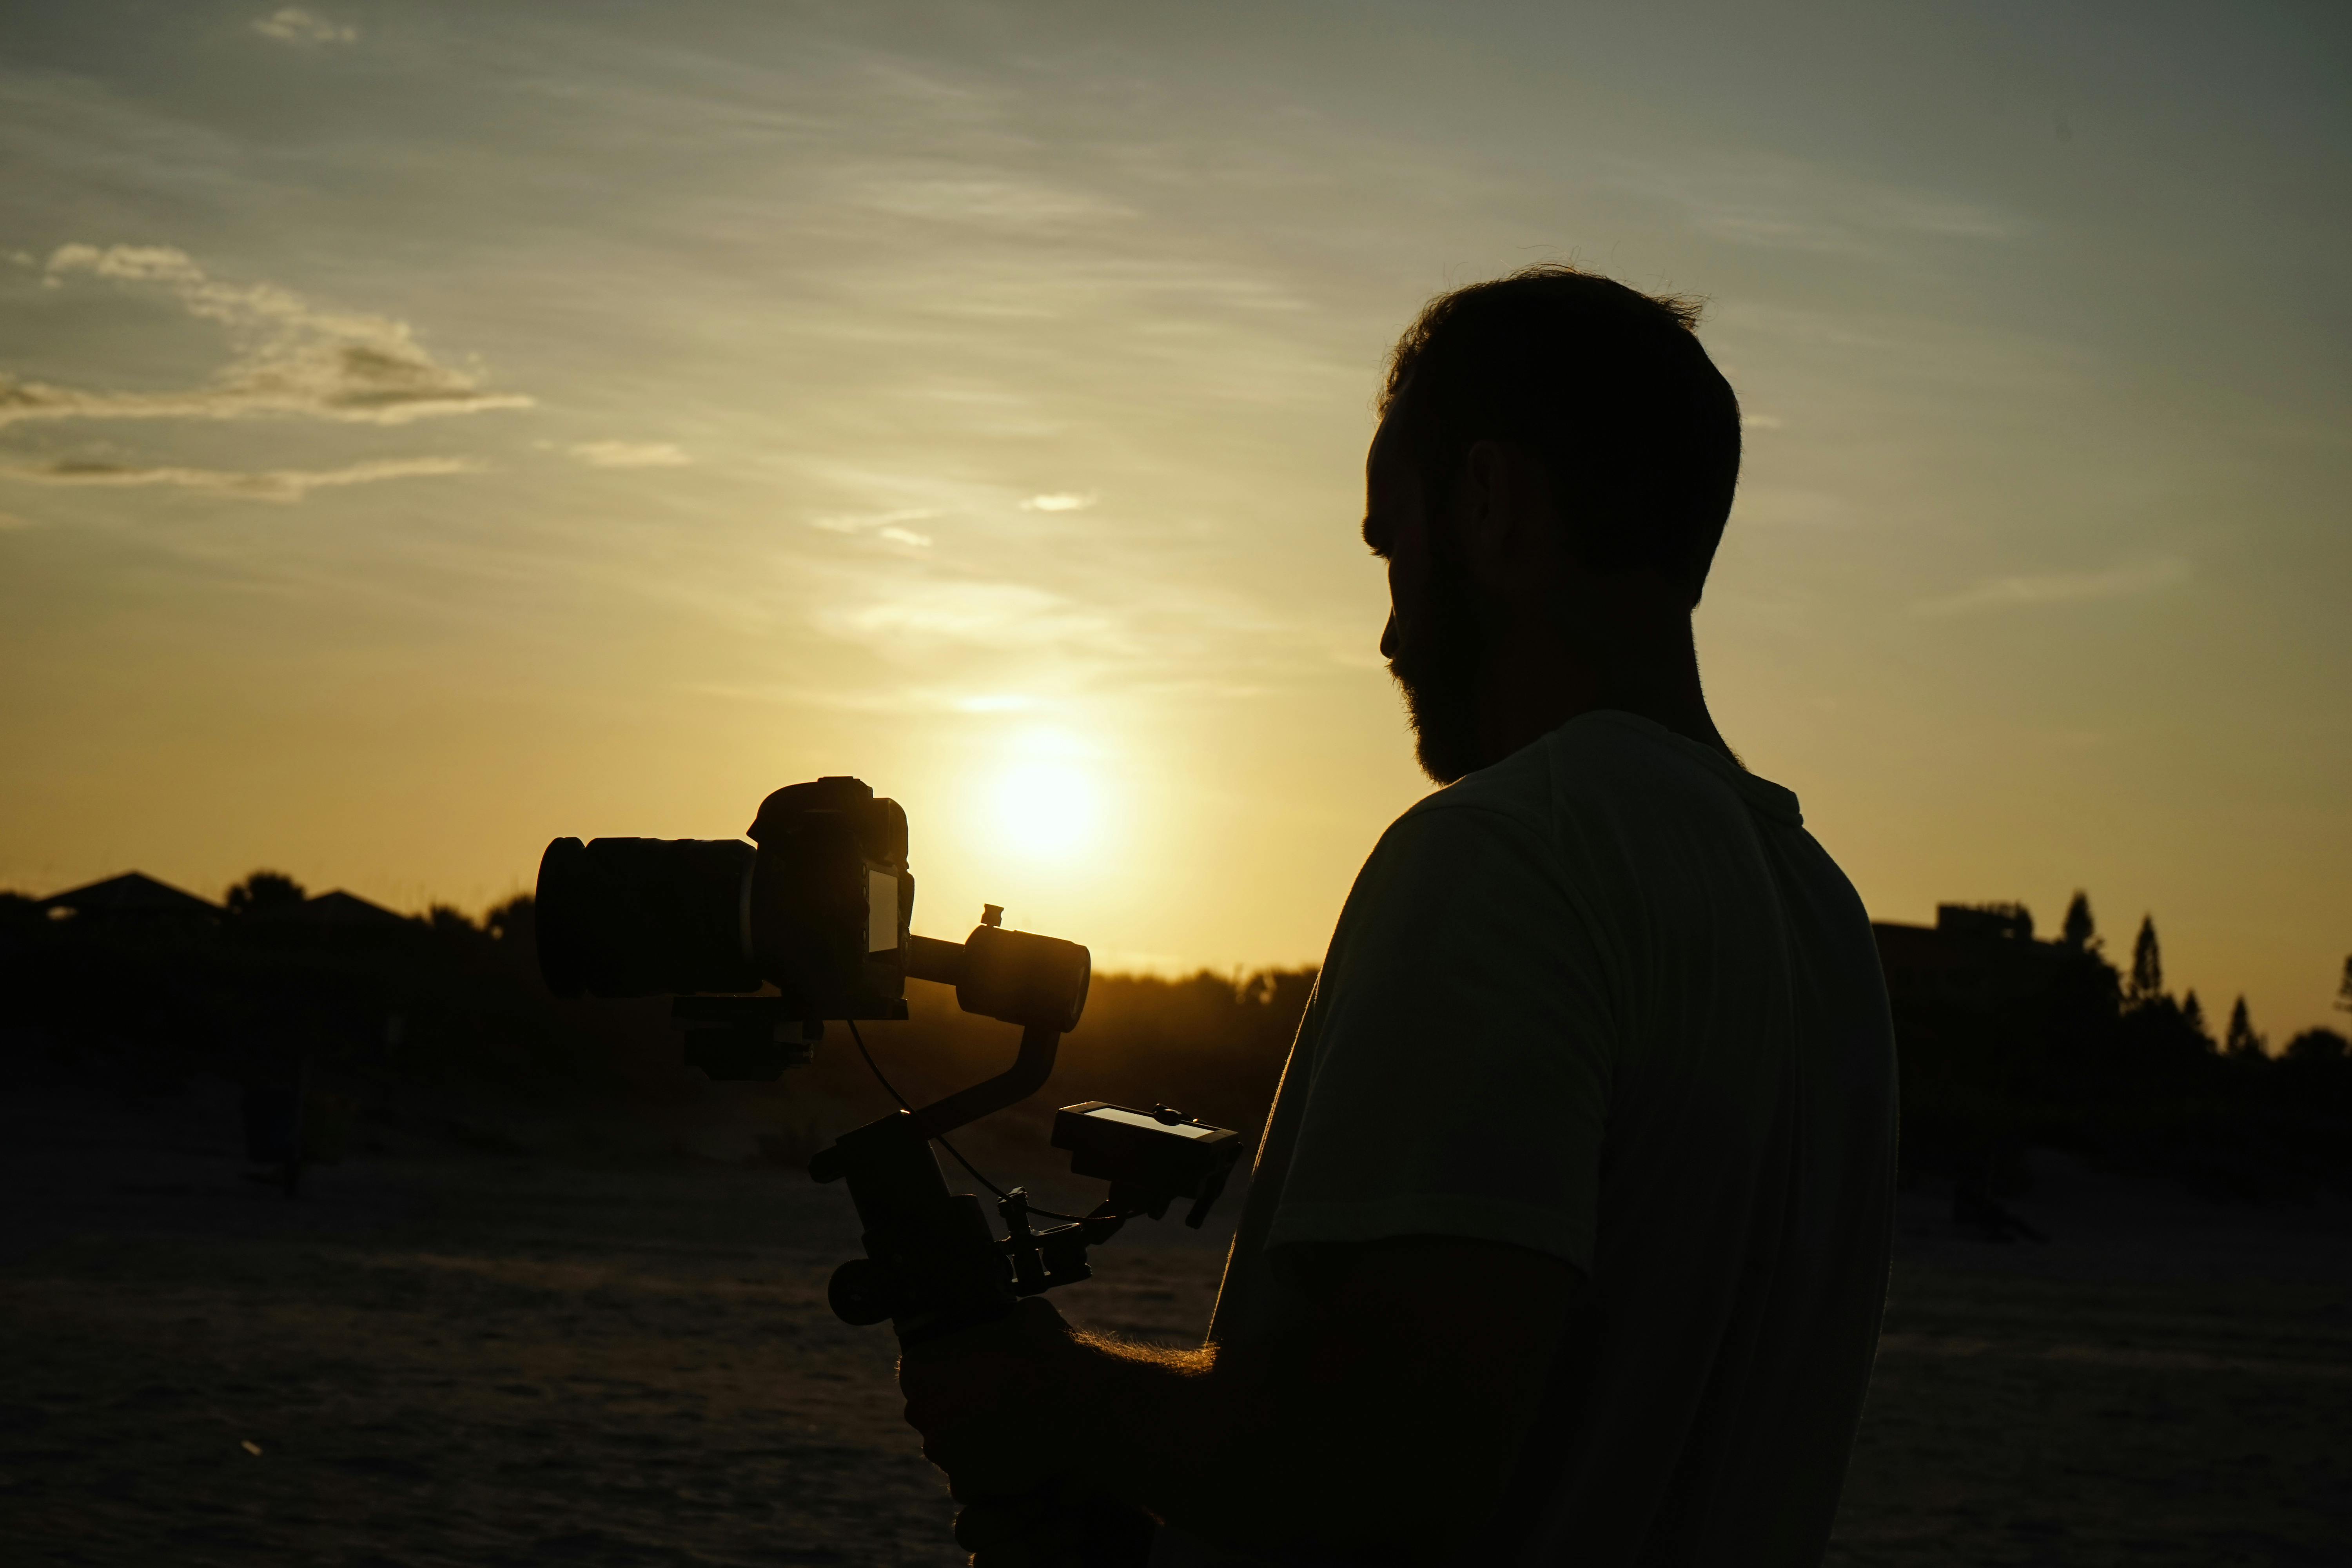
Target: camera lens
{"type": "Point", "coordinates": [638, 916]}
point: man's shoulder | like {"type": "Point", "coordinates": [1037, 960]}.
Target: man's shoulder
{"type": "Point", "coordinates": [1602, 762]}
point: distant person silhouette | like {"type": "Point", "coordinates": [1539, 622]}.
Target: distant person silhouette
{"type": "Point", "coordinates": [1567, 1241]}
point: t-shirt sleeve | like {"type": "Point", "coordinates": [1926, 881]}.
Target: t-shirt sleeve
{"type": "Point", "coordinates": [1460, 1078]}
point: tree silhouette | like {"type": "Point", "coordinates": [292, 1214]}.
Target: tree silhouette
{"type": "Point", "coordinates": [2192, 1015]}
{"type": "Point", "coordinates": [2080, 932]}
{"type": "Point", "coordinates": [2344, 988]}
{"type": "Point", "coordinates": [449, 920]}
{"type": "Point", "coordinates": [264, 890]}
{"type": "Point", "coordinates": [2241, 1040]}
{"type": "Point", "coordinates": [510, 922]}
{"type": "Point", "coordinates": [2315, 1046]}
{"type": "Point", "coordinates": [2147, 982]}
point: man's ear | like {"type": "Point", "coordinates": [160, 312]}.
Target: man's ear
{"type": "Point", "coordinates": [1502, 513]}
{"type": "Point", "coordinates": [1483, 507]}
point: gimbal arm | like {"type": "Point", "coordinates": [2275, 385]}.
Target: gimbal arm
{"type": "Point", "coordinates": [1025, 1077]}
{"type": "Point", "coordinates": [932, 1263]}
{"type": "Point", "coordinates": [988, 969]}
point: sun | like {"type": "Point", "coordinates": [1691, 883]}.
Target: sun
{"type": "Point", "coordinates": [1046, 809]}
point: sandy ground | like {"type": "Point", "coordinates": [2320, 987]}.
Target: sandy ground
{"type": "Point", "coordinates": [438, 1356]}
{"type": "Point", "coordinates": [2166, 1381]}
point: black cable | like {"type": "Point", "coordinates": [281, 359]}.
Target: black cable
{"type": "Point", "coordinates": [974, 1170]}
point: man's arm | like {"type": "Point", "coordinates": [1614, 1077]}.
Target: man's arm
{"type": "Point", "coordinates": [1384, 1424]}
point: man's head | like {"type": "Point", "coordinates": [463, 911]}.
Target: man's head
{"type": "Point", "coordinates": [1543, 437]}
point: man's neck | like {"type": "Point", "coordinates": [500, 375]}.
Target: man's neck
{"type": "Point", "coordinates": [1646, 665]}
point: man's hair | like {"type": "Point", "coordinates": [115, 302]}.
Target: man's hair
{"type": "Point", "coordinates": [1607, 387]}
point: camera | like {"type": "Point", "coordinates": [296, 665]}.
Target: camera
{"type": "Point", "coordinates": [816, 906]}
{"type": "Point", "coordinates": [762, 943]}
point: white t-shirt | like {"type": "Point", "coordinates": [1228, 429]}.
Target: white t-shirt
{"type": "Point", "coordinates": [1609, 1000]}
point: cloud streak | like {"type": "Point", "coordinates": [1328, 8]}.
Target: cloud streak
{"type": "Point", "coordinates": [1784, 203]}
{"type": "Point", "coordinates": [294, 360]}
{"type": "Point", "coordinates": [923, 619]}
{"type": "Point", "coordinates": [262, 484]}
{"type": "Point", "coordinates": [630, 453]}
{"type": "Point", "coordinates": [858, 523]}
{"type": "Point", "coordinates": [2062, 587]}
{"type": "Point", "coordinates": [293, 24]}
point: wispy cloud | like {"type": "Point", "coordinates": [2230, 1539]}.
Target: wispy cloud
{"type": "Point", "coordinates": [897, 700]}
{"type": "Point", "coordinates": [293, 24]}
{"type": "Point", "coordinates": [915, 618]}
{"type": "Point", "coordinates": [630, 453]}
{"type": "Point", "coordinates": [261, 484]}
{"type": "Point", "coordinates": [295, 360]}
{"type": "Point", "coordinates": [1059, 501]}
{"type": "Point", "coordinates": [1784, 203]}
{"type": "Point", "coordinates": [859, 522]}
{"type": "Point", "coordinates": [2062, 587]}
{"type": "Point", "coordinates": [1006, 200]}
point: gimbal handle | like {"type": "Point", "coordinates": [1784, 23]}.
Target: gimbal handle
{"type": "Point", "coordinates": [1025, 1077]}
{"type": "Point", "coordinates": [1031, 1068]}
{"type": "Point", "coordinates": [1037, 982]}
{"type": "Point", "coordinates": [931, 1262]}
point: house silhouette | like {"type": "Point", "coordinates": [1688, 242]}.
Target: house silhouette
{"type": "Point", "coordinates": [132, 898]}
{"type": "Point", "coordinates": [337, 911]}
{"type": "Point", "coordinates": [1974, 957]}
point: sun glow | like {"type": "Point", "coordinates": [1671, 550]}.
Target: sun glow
{"type": "Point", "coordinates": [1046, 803]}
{"type": "Point", "coordinates": [1046, 809]}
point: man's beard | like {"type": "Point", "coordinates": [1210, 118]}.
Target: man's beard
{"type": "Point", "coordinates": [1439, 673]}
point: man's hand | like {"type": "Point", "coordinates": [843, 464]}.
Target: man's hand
{"type": "Point", "coordinates": [998, 1405]}
{"type": "Point", "coordinates": [999, 1408]}
{"type": "Point", "coordinates": [1381, 1425]}
{"type": "Point", "coordinates": [1060, 1525]}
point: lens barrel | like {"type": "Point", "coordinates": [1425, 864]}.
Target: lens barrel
{"type": "Point", "coordinates": [638, 916]}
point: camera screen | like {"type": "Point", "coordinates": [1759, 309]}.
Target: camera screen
{"type": "Point", "coordinates": [1137, 1119]}
{"type": "Point", "coordinates": [881, 912]}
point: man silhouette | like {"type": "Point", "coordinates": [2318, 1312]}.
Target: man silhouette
{"type": "Point", "coordinates": [1567, 1239]}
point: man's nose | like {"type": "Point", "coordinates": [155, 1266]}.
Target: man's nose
{"type": "Point", "coordinates": [1388, 637]}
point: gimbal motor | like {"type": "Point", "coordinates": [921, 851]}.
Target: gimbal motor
{"type": "Point", "coordinates": [762, 943]}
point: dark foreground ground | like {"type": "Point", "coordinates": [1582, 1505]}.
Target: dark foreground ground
{"type": "Point", "coordinates": [442, 1355]}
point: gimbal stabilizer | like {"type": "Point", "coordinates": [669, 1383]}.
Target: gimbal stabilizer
{"type": "Point", "coordinates": [820, 911]}
{"type": "Point", "coordinates": [932, 1263]}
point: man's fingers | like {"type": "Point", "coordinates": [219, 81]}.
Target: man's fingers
{"type": "Point", "coordinates": [1035, 1518]}
{"type": "Point", "coordinates": [982, 1525]}
{"type": "Point", "coordinates": [942, 1391]}
{"type": "Point", "coordinates": [960, 1371]}
{"type": "Point", "coordinates": [983, 1462]}
{"type": "Point", "coordinates": [981, 1477]}
{"type": "Point", "coordinates": [999, 1334]}
{"type": "Point", "coordinates": [1029, 1554]}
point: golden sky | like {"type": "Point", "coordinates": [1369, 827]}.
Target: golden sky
{"type": "Point", "coordinates": [429, 429]}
